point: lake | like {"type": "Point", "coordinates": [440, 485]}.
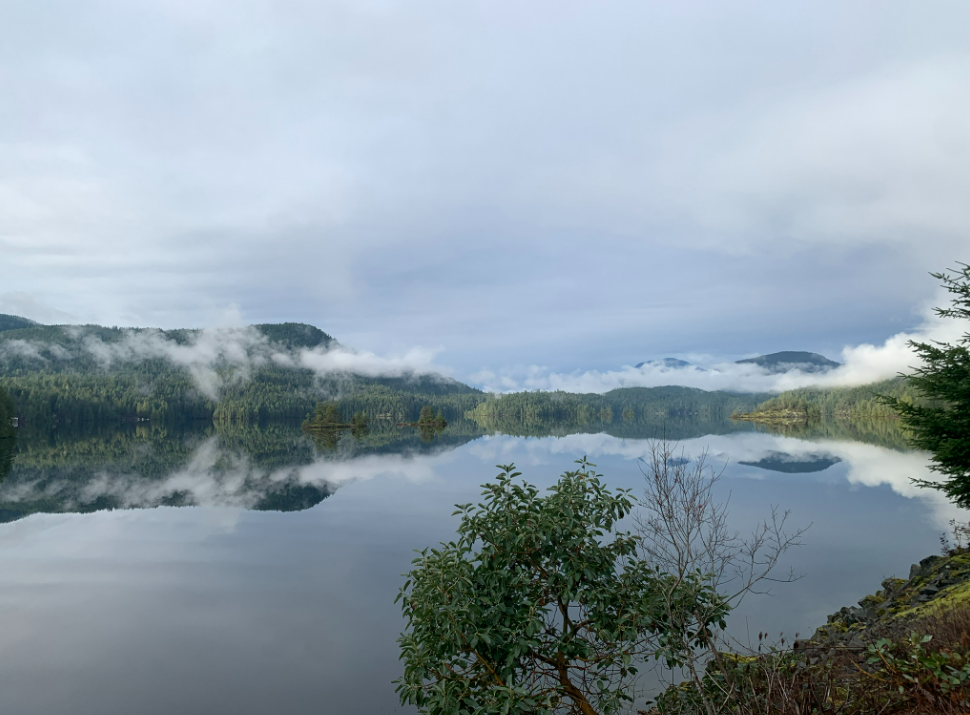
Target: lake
{"type": "Point", "coordinates": [249, 571]}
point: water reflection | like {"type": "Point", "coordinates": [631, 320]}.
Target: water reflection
{"type": "Point", "coordinates": [791, 464]}
{"type": "Point", "coordinates": [235, 606]}
{"type": "Point", "coordinates": [7, 445]}
{"type": "Point", "coordinates": [261, 470]}
{"type": "Point", "coordinates": [746, 454]}
{"type": "Point", "coordinates": [279, 469]}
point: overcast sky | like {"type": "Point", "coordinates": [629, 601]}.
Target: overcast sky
{"type": "Point", "coordinates": [575, 185]}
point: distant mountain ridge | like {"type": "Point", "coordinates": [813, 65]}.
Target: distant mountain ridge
{"type": "Point", "coordinates": [772, 362]}
{"type": "Point", "coordinates": [668, 362]}
{"type": "Point", "coordinates": [15, 328]}
{"type": "Point", "coordinates": [792, 360]}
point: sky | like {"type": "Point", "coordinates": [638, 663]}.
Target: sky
{"type": "Point", "coordinates": [536, 194]}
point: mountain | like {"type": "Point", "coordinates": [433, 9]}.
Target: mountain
{"type": "Point", "coordinates": [30, 347]}
{"type": "Point", "coordinates": [88, 374]}
{"type": "Point", "coordinates": [792, 360]}
{"type": "Point", "coordinates": [672, 363]}
{"type": "Point", "coordinates": [775, 362]}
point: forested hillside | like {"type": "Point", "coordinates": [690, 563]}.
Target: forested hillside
{"type": "Point", "coordinates": [92, 374]}
{"type": "Point", "coordinates": [12, 322]}
{"type": "Point", "coordinates": [813, 403]}
{"type": "Point", "coordinates": [74, 349]}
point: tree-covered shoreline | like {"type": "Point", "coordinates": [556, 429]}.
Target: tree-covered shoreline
{"type": "Point", "coordinates": [813, 403]}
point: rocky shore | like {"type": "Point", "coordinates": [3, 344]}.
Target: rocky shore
{"type": "Point", "coordinates": [935, 584]}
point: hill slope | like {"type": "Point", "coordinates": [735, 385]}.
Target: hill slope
{"type": "Point", "coordinates": [810, 403]}
{"type": "Point", "coordinates": [13, 322]}
{"type": "Point", "coordinates": [91, 373]}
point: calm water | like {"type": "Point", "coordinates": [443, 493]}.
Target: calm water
{"type": "Point", "coordinates": [273, 591]}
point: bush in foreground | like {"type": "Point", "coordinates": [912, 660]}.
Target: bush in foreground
{"type": "Point", "coordinates": [541, 606]}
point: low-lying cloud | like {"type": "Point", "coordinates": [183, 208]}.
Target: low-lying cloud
{"type": "Point", "coordinates": [861, 365]}
{"type": "Point", "coordinates": [214, 357]}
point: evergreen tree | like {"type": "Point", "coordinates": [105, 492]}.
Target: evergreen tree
{"type": "Point", "coordinates": [329, 415]}
{"type": "Point", "coordinates": [942, 425]}
{"type": "Point", "coordinates": [427, 415]}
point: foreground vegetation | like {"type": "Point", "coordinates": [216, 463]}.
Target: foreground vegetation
{"type": "Point", "coordinates": [941, 424]}
{"type": "Point", "coordinates": [541, 605]}
{"type": "Point", "coordinates": [904, 649]}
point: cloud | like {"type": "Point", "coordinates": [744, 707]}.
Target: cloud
{"type": "Point", "coordinates": [21, 348]}
{"type": "Point", "coordinates": [342, 360]}
{"type": "Point", "coordinates": [341, 162]}
{"type": "Point", "coordinates": [206, 351]}
{"type": "Point", "coordinates": [861, 365]}
{"type": "Point", "coordinates": [214, 357]}
{"type": "Point", "coordinates": [28, 306]}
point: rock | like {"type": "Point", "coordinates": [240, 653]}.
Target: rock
{"type": "Point", "coordinates": [931, 577]}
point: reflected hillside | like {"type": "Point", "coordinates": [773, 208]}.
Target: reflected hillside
{"type": "Point", "coordinates": [7, 445]}
{"type": "Point", "coordinates": [884, 432]}
{"type": "Point", "coordinates": [276, 468]}
{"type": "Point", "coordinates": [671, 428]}
{"type": "Point", "coordinates": [279, 468]}
{"type": "Point", "coordinates": [388, 437]}
{"type": "Point", "coordinates": [142, 467]}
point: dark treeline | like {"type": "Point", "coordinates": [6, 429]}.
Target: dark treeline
{"type": "Point", "coordinates": [162, 394]}
{"type": "Point", "coordinates": [876, 430]}
{"type": "Point", "coordinates": [7, 413]}
{"type": "Point", "coordinates": [65, 398]}
{"type": "Point", "coordinates": [385, 404]}
{"type": "Point", "coordinates": [538, 413]}
{"type": "Point", "coordinates": [7, 433]}
{"type": "Point", "coordinates": [282, 394]}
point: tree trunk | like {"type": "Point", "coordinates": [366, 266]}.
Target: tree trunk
{"type": "Point", "coordinates": [574, 693]}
